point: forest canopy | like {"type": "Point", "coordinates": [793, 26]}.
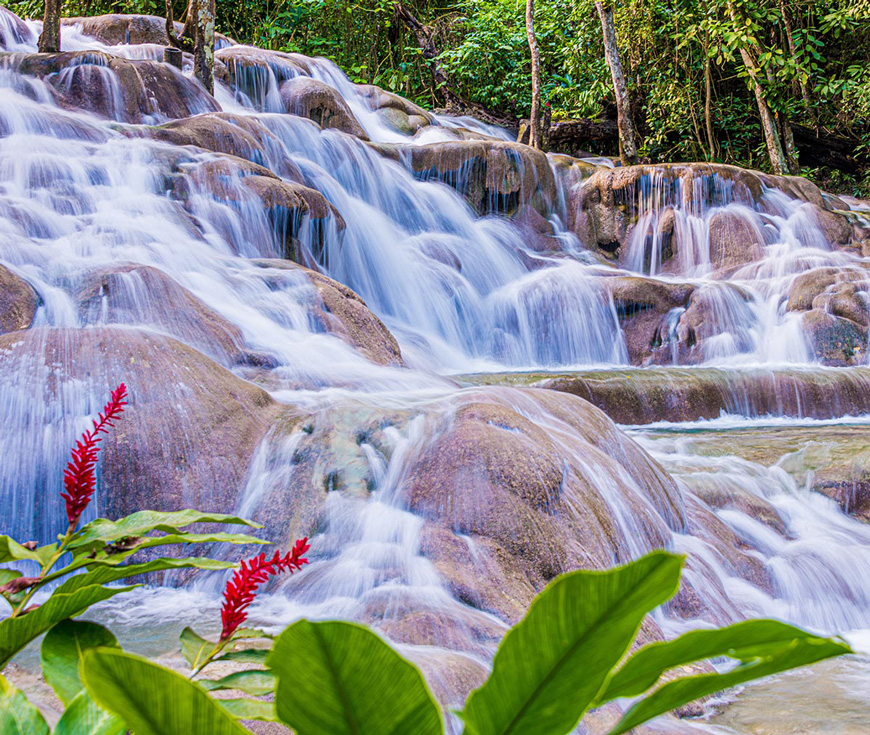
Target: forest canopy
{"type": "Point", "coordinates": [698, 73]}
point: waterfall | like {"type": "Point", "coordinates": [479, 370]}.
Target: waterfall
{"type": "Point", "coordinates": [326, 301]}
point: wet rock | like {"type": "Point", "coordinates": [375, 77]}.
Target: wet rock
{"type": "Point", "coordinates": [127, 90]}
{"type": "Point", "coordinates": [734, 241]}
{"type": "Point", "coordinates": [321, 103]}
{"type": "Point", "coordinates": [18, 302]}
{"type": "Point", "coordinates": [115, 29]}
{"type": "Point", "coordinates": [835, 340]}
{"type": "Point", "coordinates": [842, 292]}
{"type": "Point", "coordinates": [237, 135]}
{"type": "Point", "coordinates": [688, 394]}
{"type": "Point", "coordinates": [256, 72]}
{"type": "Point", "coordinates": [340, 311]}
{"type": "Point", "coordinates": [643, 307]}
{"type": "Point", "coordinates": [188, 435]}
{"type": "Point", "coordinates": [836, 227]}
{"type": "Point", "coordinates": [493, 176]}
{"type": "Point", "coordinates": [13, 30]}
{"type": "Point", "coordinates": [136, 294]}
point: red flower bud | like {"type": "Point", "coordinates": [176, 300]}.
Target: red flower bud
{"type": "Point", "coordinates": [242, 588]}
{"type": "Point", "coordinates": [79, 477]}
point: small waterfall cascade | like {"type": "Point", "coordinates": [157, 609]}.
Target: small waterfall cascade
{"type": "Point", "coordinates": [291, 274]}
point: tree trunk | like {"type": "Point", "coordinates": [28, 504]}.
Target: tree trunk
{"type": "Point", "coordinates": [184, 40]}
{"type": "Point", "coordinates": [708, 106]}
{"type": "Point", "coordinates": [788, 146]}
{"type": "Point", "coordinates": [535, 117]}
{"type": "Point", "coordinates": [424, 36]}
{"type": "Point", "coordinates": [49, 39]}
{"type": "Point", "coordinates": [627, 149]}
{"type": "Point", "coordinates": [804, 86]}
{"type": "Point", "coordinates": [203, 43]}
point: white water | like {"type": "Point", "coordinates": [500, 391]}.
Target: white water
{"type": "Point", "coordinates": [460, 292]}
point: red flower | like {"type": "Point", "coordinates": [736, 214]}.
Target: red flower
{"type": "Point", "coordinates": [79, 477]}
{"type": "Point", "coordinates": [242, 588]}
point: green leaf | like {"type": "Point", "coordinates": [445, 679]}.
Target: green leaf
{"type": "Point", "coordinates": [151, 699]}
{"type": "Point", "coordinates": [102, 530]}
{"type": "Point", "coordinates": [61, 653]}
{"type": "Point", "coordinates": [760, 658]}
{"type": "Point", "coordinates": [250, 709]}
{"type": "Point", "coordinates": [194, 647]}
{"type": "Point", "coordinates": [102, 571]}
{"type": "Point", "coordinates": [337, 678]}
{"type": "Point", "coordinates": [255, 683]}
{"type": "Point", "coordinates": [17, 715]}
{"type": "Point", "coordinates": [84, 716]}
{"type": "Point", "coordinates": [11, 550]}
{"type": "Point", "coordinates": [246, 656]}
{"type": "Point", "coordinates": [551, 666]}
{"type": "Point", "coordinates": [65, 602]}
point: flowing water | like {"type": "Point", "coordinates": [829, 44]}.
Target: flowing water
{"type": "Point", "coordinates": [91, 218]}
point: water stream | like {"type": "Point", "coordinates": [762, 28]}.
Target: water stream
{"type": "Point", "coordinates": [436, 509]}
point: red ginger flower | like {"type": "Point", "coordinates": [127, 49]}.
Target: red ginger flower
{"type": "Point", "coordinates": [79, 477]}
{"type": "Point", "coordinates": [242, 588]}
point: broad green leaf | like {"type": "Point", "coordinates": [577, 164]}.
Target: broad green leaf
{"type": "Point", "coordinates": [745, 641]}
{"type": "Point", "coordinates": [61, 652]}
{"type": "Point", "coordinates": [771, 659]}
{"type": "Point", "coordinates": [246, 656]}
{"type": "Point", "coordinates": [102, 530]}
{"type": "Point", "coordinates": [250, 709]}
{"type": "Point", "coordinates": [82, 555]}
{"type": "Point", "coordinates": [551, 666]}
{"type": "Point", "coordinates": [194, 647]}
{"type": "Point", "coordinates": [255, 683]}
{"type": "Point", "coordinates": [11, 550]}
{"type": "Point", "coordinates": [15, 633]}
{"type": "Point", "coordinates": [7, 575]}
{"type": "Point", "coordinates": [17, 715]}
{"type": "Point", "coordinates": [84, 716]}
{"type": "Point", "coordinates": [106, 570]}
{"type": "Point", "coordinates": [337, 678]}
{"type": "Point", "coordinates": [151, 699]}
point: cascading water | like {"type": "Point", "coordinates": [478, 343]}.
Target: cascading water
{"type": "Point", "coordinates": [436, 510]}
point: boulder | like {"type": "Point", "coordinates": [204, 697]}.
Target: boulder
{"type": "Point", "coordinates": [18, 302]}
{"type": "Point", "coordinates": [115, 29]}
{"type": "Point", "coordinates": [257, 73]}
{"type": "Point", "coordinates": [186, 439]}
{"type": "Point", "coordinates": [339, 311]}
{"type": "Point", "coordinates": [127, 90]}
{"type": "Point", "coordinates": [135, 294]}
{"type": "Point", "coordinates": [494, 176]}
{"type": "Point", "coordinates": [241, 136]}
{"type": "Point", "coordinates": [835, 340]}
{"type": "Point", "coordinates": [646, 311]}
{"type": "Point", "coordinates": [13, 30]}
{"type": "Point", "coordinates": [321, 103]}
{"type": "Point", "coordinates": [734, 240]}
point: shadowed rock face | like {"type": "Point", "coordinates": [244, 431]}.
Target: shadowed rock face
{"type": "Point", "coordinates": [18, 302]}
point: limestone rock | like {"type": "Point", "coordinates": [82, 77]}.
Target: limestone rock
{"type": "Point", "coordinates": [734, 240]}
{"type": "Point", "coordinates": [187, 437]}
{"type": "Point", "coordinates": [138, 294]}
{"type": "Point", "coordinates": [321, 103]}
{"type": "Point", "coordinates": [340, 311]}
{"type": "Point", "coordinates": [18, 302]}
{"type": "Point", "coordinates": [13, 30]}
{"type": "Point", "coordinates": [835, 340]}
{"type": "Point", "coordinates": [127, 90]}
